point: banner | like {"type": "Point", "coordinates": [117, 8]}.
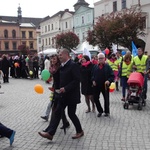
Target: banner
{"type": "Point", "coordinates": [134, 49]}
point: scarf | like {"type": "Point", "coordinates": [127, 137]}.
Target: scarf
{"type": "Point", "coordinates": [86, 63]}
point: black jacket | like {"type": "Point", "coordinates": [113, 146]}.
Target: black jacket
{"type": "Point", "coordinates": [70, 80]}
{"type": "Point", "coordinates": [86, 82]}
{"type": "Point", "coordinates": [109, 75]}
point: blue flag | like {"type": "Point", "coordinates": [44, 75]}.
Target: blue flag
{"type": "Point", "coordinates": [134, 49]}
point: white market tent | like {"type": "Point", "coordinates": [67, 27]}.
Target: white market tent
{"type": "Point", "coordinates": [49, 52]}
{"type": "Point", "coordinates": [86, 45]}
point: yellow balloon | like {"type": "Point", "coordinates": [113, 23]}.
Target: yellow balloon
{"type": "Point", "coordinates": [112, 86]}
{"type": "Point", "coordinates": [31, 72]}
{"type": "Point", "coordinates": [39, 89]}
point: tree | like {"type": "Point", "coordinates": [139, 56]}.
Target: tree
{"type": "Point", "coordinates": [24, 50]}
{"type": "Point", "coordinates": [119, 28]}
{"type": "Point", "coordinates": [67, 40]}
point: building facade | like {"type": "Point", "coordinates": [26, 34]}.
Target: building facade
{"type": "Point", "coordinates": [9, 36]}
{"type": "Point", "coordinates": [83, 21]}
{"type": "Point", "coordinates": [60, 22]}
{"type": "Point", "coordinates": [15, 31]}
{"type": "Point", "coordinates": [104, 7]}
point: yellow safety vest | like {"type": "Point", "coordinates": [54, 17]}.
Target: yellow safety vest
{"type": "Point", "coordinates": [126, 69]}
{"type": "Point", "coordinates": [113, 65]}
{"type": "Point", "coordinates": [140, 63]}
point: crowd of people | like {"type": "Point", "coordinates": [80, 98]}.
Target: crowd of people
{"type": "Point", "coordinates": [90, 77]}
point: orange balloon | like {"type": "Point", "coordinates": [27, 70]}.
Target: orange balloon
{"type": "Point", "coordinates": [16, 65]}
{"type": "Point", "coordinates": [38, 89]}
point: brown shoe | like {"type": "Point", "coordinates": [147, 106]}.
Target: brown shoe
{"type": "Point", "coordinates": [78, 135]}
{"type": "Point", "coordinates": [46, 135]}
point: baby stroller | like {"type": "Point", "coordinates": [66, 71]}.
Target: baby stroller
{"type": "Point", "coordinates": [135, 91]}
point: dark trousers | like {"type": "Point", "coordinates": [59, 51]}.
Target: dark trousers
{"type": "Point", "coordinates": [57, 115]}
{"type": "Point", "coordinates": [105, 93]}
{"type": "Point", "coordinates": [4, 131]}
{"type": "Point", "coordinates": [5, 78]}
{"type": "Point", "coordinates": [36, 71]}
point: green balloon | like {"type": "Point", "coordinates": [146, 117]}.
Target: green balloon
{"type": "Point", "coordinates": [45, 75]}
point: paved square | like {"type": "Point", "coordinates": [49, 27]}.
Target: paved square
{"type": "Point", "coordinates": [21, 108]}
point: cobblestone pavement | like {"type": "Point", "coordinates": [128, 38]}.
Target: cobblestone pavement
{"type": "Point", "coordinates": [21, 108]}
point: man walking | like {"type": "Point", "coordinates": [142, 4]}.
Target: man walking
{"type": "Point", "coordinates": [69, 96]}
{"type": "Point", "coordinates": [102, 76]}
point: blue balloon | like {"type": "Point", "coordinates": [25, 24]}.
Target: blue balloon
{"type": "Point", "coordinates": [103, 52]}
{"type": "Point", "coordinates": [123, 53]}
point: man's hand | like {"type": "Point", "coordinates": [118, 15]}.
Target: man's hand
{"type": "Point", "coordinates": [107, 83]}
{"type": "Point", "coordinates": [62, 90]}
{"type": "Point", "coordinates": [94, 83]}
{"type": "Point", "coordinates": [146, 72]}
{"type": "Point", "coordinates": [134, 67]}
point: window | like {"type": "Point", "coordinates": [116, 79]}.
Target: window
{"type": "Point", "coordinates": [31, 45]}
{"type": "Point", "coordinates": [13, 33]}
{"type": "Point", "coordinates": [114, 6]}
{"type": "Point", "coordinates": [30, 34]}
{"type": "Point", "coordinates": [23, 43]}
{"type": "Point", "coordinates": [106, 9]}
{"type": "Point", "coordinates": [6, 45]}
{"type": "Point", "coordinates": [123, 4]}
{"type": "Point", "coordinates": [45, 28]}
{"type": "Point", "coordinates": [55, 25]}
{"type": "Point", "coordinates": [14, 45]}
{"type": "Point", "coordinates": [0, 45]}
{"type": "Point", "coordinates": [6, 33]}
{"type": "Point", "coordinates": [82, 19]}
{"type": "Point", "coordinates": [39, 40]}
{"type": "Point", "coordinates": [48, 27]}
{"type": "Point", "coordinates": [143, 22]}
{"type": "Point", "coordinates": [49, 41]}
{"type": "Point", "coordinates": [88, 17]}
{"type": "Point", "coordinates": [46, 41]}
{"type": "Point", "coordinates": [43, 42]}
{"type": "Point", "coordinates": [66, 25]}
{"type": "Point", "coordinates": [52, 27]}
{"type": "Point", "coordinates": [52, 40]}
{"type": "Point", "coordinates": [77, 21]}
{"type": "Point", "coordinates": [83, 36]}
{"type": "Point", "coordinates": [23, 34]}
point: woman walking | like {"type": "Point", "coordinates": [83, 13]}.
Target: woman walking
{"type": "Point", "coordinates": [86, 82]}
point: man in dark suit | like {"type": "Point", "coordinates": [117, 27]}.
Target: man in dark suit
{"type": "Point", "coordinates": [6, 132]}
{"type": "Point", "coordinates": [69, 95]}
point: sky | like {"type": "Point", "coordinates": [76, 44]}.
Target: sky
{"type": "Point", "coordinates": [37, 8]}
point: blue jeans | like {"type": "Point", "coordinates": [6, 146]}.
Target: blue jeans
{"type": "Point", "coordinates": [124, 80]}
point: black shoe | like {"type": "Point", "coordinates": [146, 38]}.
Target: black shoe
{"type": "Point", "coordinates": [45, 118]}
{"type": "Point", "coordinates": [99, 115]}
{"type": "Point", "coordinates": [106, 115]}
{"type": "Point", "coordinates": [66, 126]}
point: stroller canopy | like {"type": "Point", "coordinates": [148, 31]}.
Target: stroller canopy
{"type": "Point", "coordinates": [136, 78]}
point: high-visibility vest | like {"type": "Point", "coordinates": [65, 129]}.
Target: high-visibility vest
{"type": "Point", "coordinates": [140, 63]}
{"type": "Point", "coordinates": [113, 65]}
{"type": "Point", "coordinates": [126, 69]}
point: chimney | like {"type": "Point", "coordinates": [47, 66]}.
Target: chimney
{"type": "Point", "coordinates": [66, 10]}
